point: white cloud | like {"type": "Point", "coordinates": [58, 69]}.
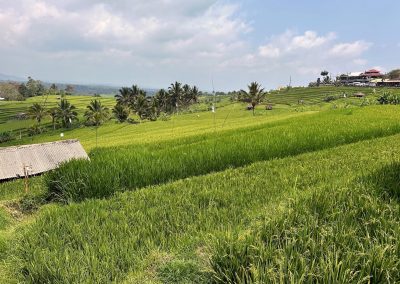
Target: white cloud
{"type": "Point", "coordinates": [310, 39]}
{"type": "Point", "coordinates": [360, 61]}
{"type": "Point", "coordinates": [269, 51]}
{"type": "Point", "coordinates": [350, 49]}
{"type": "Point", "coordinates": [148, 40]}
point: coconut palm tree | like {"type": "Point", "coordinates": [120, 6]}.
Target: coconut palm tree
{"type": "Point", "coordinates": [96, 114]}
{"type": "Point", "coordinates": [124, 97]}
{"type": "Point", "coordinates": [195, 94]}
{"type": "Point", "coordinates": [141, 106]}
{"type": "Point", "coordinates": [53, 114]}
{"type": "Point", "coordinates": [255, 95]}
{"type": "Point", "coordinates": [66, 113]}
{"type": "Point", "coordinates": [37, 112]}
{"type": "Point", "coordinates": [163, 100]}
{"type": "Point", "coordinates": [121, 112]}
{"type": "Point", "coordinates": [176, 92]}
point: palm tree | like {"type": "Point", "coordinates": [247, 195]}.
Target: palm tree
{"type": "Point", "coordinates": [163, 99]}
{"type": "Point", "coordinates": [141, 106]}
{"type": "Point", "coordinates": [176, 92]}
{"type": "Point", "coordinates": [66, 113]}
{"type": "Point", "coordinates": [194, 95]}
{"type": "Point", "coordinates": [255, 95]}
{"type": "Point", "coordinates": [37, 112]}
{"type": "Point", "coordinates": [124, 97]}
{"type": "Point", "coordinates": [53, 114]}
{"type": "Point", "coordinates": [121, 112]}
{"type": "Point", "coordinates": [96, 114]}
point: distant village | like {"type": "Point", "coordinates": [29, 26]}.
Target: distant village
{"type": "Point", "coordinates": [369, 78]}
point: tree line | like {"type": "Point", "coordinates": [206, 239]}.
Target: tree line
{"type": "Point", "coordinates": [129, 100]}
{"type": "Point", "coordinates": [177, 97]}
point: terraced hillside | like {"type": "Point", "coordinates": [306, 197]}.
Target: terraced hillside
{"type": "Point", "coordinates": [299, 194]}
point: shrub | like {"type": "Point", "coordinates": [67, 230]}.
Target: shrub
{"type": "Point", "coordinates": [6, 136]}
{"type": "Point", "coordinates": [330, 98]}
{"type": "Point", "coordinates": [389, 98]}
{"type": "Point", "coordinates": [35, 130]}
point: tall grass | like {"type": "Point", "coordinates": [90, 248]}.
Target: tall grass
{"type": "Point", "coordinates": [117, 169]}
{"type": "Point", "coordinates": [312, 218]}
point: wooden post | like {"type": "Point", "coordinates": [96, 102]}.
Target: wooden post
{"type": "Point", "coordinates": [26, 179]}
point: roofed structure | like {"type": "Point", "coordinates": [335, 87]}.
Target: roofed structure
{"type": "Point", "coordinates": [39, 158]}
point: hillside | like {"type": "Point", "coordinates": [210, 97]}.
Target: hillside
{"type": "Point", "coordinates": [304, 193]}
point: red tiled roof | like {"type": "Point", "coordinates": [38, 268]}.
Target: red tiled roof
{"type": "Point", "coordinates": [373, 71]}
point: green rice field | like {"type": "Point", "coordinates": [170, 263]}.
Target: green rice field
{"type": "Point", "coordinates": [308, 192]}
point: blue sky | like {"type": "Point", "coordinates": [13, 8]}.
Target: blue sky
{"type": "Point", "coordinates": [155, 42]}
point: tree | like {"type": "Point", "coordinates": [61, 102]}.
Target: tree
{"type": "Point", "coordinates": [255, 95]}
{"type": "Point", "coordinates": [121, 112]}
{"type": "Point", "coordinates": [176, 92]}
{"type": "Point", "coordinates": [124, 97]}
{"type": "Point", "coordinates": [141, 106]}
{"type": "Point", "coordinates": [325, 78]}
{"type": "Point", "coordinates": [195, 94]}
{"type": "Point", "coordinates": [37, 112]}
{"type": "Point", "coordinates": [66, 113]}
{"type": "Point", "coordinates": [394, 74]}
{"type": "Point", "coordinates": [163, 100]}
{"type": "Point", "coordinates": [32, 88]}
{"type": "Point", "coordinates": [69, 89]}
{"type": "Point", "coordinates": [53, 114]}
{"type": "Point", "coordinates": [96, 114]}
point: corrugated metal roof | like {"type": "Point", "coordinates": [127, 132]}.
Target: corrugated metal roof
{"type": "Point", "coordinates": [39, 157]}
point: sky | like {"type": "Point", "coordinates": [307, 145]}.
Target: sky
{"type": "Point", "coordinates": [200, 42]}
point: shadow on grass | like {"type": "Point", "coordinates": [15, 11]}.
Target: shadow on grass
{"type": "Point", "coordinates": [386, 180]}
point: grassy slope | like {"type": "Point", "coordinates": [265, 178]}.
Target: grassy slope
{"type": "Point", "coordinates": [165, 265]}
{"type": "Point", "coordinates": [115, 169]}
{"type": "Point", "coordinates": [228, 117]}
{"type": "Point", "coordinates": [330, 212]}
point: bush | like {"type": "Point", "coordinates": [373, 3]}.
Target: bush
{"type": "Point", "coordinates": [35, 130]}
{"type": "Point", "coordinates": [6, 136]}
{"type": "Point", "coordinates": [389, 98]}
{"type": "Point", "coordinates": [330, 98]}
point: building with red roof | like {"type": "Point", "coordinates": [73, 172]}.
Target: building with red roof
{"type": "Point", "coordinates": [373, 73]}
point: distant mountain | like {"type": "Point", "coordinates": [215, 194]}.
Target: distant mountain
{"type": "Point", "coordinates": [88, 89]}
{"type": "Point", "coordinates": [5, 77]}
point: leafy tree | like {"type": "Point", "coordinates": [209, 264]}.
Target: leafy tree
{"type": "Point", "coordinates": [54, 87]}
{"type": "Point", "coordinates": [37, 112]}
{"type": "Point", "coordinates": [394, 74]}
{"type": "Point", "coordinates": [32, 88]}
{"type": "Point", "coordinates": [9, 91]}
{"type": "Point", "coordinates": [96, 114]}
{"type": "Point", "coordinates": [121, 112]}
{"type": "Point", "coordinates": [66, 113]}
{"type": "Point", "coordinates": [255, 95]}
{"type": "Point", "coordinates": [69, 89]}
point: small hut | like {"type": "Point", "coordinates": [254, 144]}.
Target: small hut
{"type": "Point", "coordinates": [359, 95]}
{"type": "Point", "coordinates": [34, 159]}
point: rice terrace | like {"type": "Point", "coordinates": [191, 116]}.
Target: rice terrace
{"type": "Point", "coordinates": [285, 174]}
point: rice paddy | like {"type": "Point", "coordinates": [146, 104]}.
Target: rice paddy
{"type": "Point", "coordinates": [305, 193]}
